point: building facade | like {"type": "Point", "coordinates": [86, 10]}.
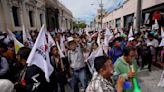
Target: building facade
{"type": "Point", "coordinates": [99, 17]}
{"type": "Point", "coordinates": [125, 16]}
{"type": "Point", "coordinates": [65, 17]}
{"type": "Point", "coordinates": [58, 16]}
{"type": "Point", "coordinates": [33, 14]}
{"type": "Point", "coordinates": [16, 13]}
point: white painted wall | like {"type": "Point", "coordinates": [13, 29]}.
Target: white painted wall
{"type": "Point", "coordinates": [129, 8]}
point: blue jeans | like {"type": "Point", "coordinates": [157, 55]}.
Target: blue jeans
{"type": "Point", "coordinates": [79, 75]}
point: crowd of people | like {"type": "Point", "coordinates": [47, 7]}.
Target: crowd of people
{"type": "Point", "coordinates": [95, 61]}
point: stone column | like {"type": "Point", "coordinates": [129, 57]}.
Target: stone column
{"type": "Point", "coordinates": [122, 22]}
{"type": "Point", "coordinates": [37, 18]}
{"type": "Point", "coordinates": [2, 19]}
{"type": "Point", "coordinates": [6, 7]}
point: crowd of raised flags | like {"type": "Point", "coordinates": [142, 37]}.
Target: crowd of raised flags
{"type": "Point", "coordinates": [39, 54]}
{"type": "Point", "coordinates": [108, 36]}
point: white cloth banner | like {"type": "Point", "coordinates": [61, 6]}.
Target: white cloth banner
{"type": "Point", "coordinates": [98, 39]}
{"type": "Point", "coordinates": [130, 32]}
{"type": "Point", "coordinates": [156, 25]}
{"type": "Point", "coordinates": [39, 55]}
{"type": "Point", "coordinates": [62, 44]}
{"type": "Point", "coordinates": [51, 42]}
{"type": "Point", "coordinates": [162, 32]}
{"type": "Point", "coordinates": [27, 37]}
{"type": "Point", "coordinates": [162, 43]}
{"type": "Point", "coordinates": [24, 35]}
{"type": "Point", "coordinates": [93, 55]}
{"type": "Point", "coordinates": [147, 21]}
{"type": "Point", "coordinates": [17, 44]}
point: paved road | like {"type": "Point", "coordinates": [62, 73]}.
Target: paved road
{"type": "Point", "coordinates": [148, 80]}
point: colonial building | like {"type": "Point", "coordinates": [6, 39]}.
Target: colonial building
{"type": "Point", "coordinates": [33, 14]}
{"type": "Point", "coordinates": [58, 16]}
{"type": "Point", "coordinates": [52, 13]}
{"type": "Point", "coordinates": [15, 13]}
{"type": "Point", "coordinates": [125, 16]}
{"type": "Point", "coordinates": [66, 17]}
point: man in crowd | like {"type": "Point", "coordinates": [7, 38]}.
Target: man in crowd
{"type": "Point", "coordinates": [61, 67]}
{"type": "Point", "coordinates": [153, 44]}
{"type": "Point", "coordinates": [4, 66]}
{"type": "Point", "coordinates": [116, 51]}
{"type": "Point", "coordinates": [102, 82]}
{"type": "Point", "coordinates": [126, 64]}
{"type": "Point", "coordinates": [31, 78]}
{"type": "Point", "coordinates": [75, 56]}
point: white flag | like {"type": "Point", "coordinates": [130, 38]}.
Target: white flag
{"type": "Point", "coordinates": [62, 45]}
{"type": "Point", "coordinates": [92, 56]}
{"type": "Point", "coordinates": [156, 25]}
{"type": "Point", "coordinates": [39, 55]}
{"type": "Point", "coordinates": [63, 29]}
{"type": "Point", "coordinates": [24, 35]}
{"type": "Point", "coordinates": [51, 42]}
{"type": "Point", "coordinates": [108, 32]}
{"type": "Point", "coordinates": [10, 34]}
{"type": "Point", "coordinates": [27, 37]}
{"type": "Point", "coordinates": [17, 44]}
{"type": "Point", "coordinates": [115, 31]}
{"type": "Point", "coordinates": [108, 35]}
{"type": "Point", "coordinates": [162, 43]}
{"type": "Point", "coordinates": [130, 32]}
{"type": "Point", "coordinates": [147, 21]}
{"type": "Point", "coordinates": [162, 32]}
{"type": "Point", "coordinates": [97, 52]}
{"type": "Point", "coordinates": [162, 35]}
{"type": "Point", "coordinates": [98, 39]}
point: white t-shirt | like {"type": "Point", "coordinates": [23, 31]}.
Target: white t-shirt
{"type": "Point", "coordinates": [154, 43]}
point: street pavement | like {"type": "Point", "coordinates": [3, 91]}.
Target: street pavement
{"type": "Point", "coordinates": [148, 80]}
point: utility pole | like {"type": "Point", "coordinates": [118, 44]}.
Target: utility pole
{"type": "Point", "coordinates": [101, 7]}
{"type": "Point", "coordinates": [138, 15]}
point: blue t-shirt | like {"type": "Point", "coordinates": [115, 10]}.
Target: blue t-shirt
{"type": "Point", "coordinates": [115, 53]}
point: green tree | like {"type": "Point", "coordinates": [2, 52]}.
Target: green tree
{"type": "Point", "coordinates": [82, 25]}
{"type": "Point", "coordinates": [79, 25]}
